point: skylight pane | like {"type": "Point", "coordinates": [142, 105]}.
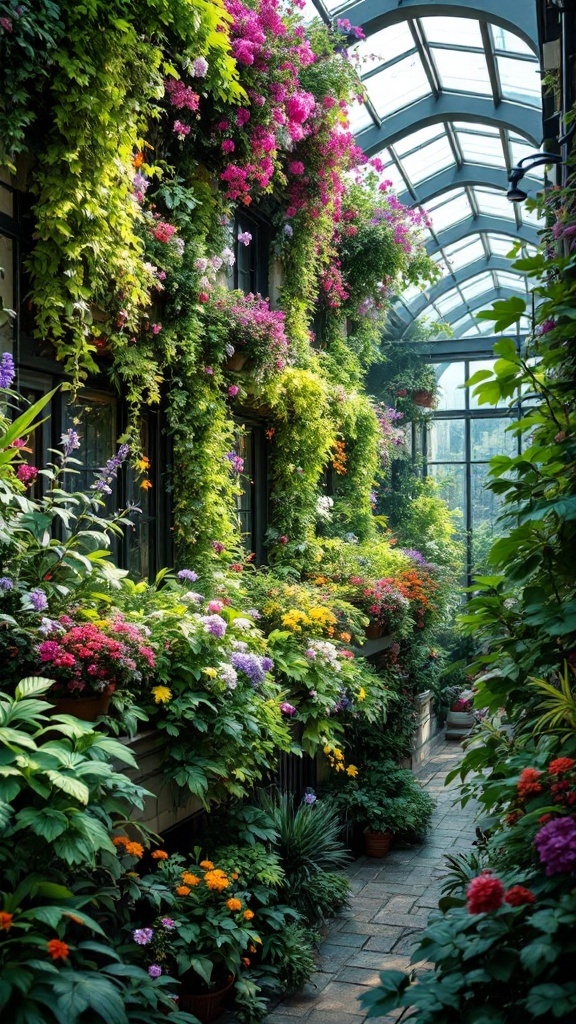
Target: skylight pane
{"type": "Point", "coordinates": [359, 117]}
{"type": "Point", "coordinates": [383, 46]}
{"type": "Point", "coordinates": [308, 12]}
{"type": "Point", "coordinates": [449, 301]}
{"type": "Point", "coordinates": [449, 211]}
{"type": "Point", "coordinates": [507, 279]}
{"type": "Point", "coordinates": [398, 86]}
{"type": "Point", "coordinates": [419, 138]}
{"type": "Point", "coordinates": [463, 31]}
{"type": "Point", "coordinates": [507, 41]}
{"type": "Point", "coordinates": [531, 217]}
{"type": "Point", "coordinates": [500, 245]}
{"type": "Point", "coordinates": [482, 149]}
{"type": "Point", "coordinates": [494, 203]}
{"type": "Point", "coordinates": [474, 250]}
{"type": "Point", "coordinates": [477, 286]}
{"type": "Point", "coordinates": [520, 80]}
{"type": "Point", "coordinates": [520, 149]}
{"type": "Point", "coordinates": [430, 159]}
{"type": "Point", "coordinates": [462, 72]}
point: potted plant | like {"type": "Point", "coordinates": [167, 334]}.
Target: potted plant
{"type": "Point", "coordinates": [89, 661]}
{"type": "Point", "coordinates": [193, 922]}
{"type": "Point", "coordinates": [460, 718]}
{"type": "Point", "coordinates": [386, 801]}
{"type": "Point", "coordinates": [382, 601]}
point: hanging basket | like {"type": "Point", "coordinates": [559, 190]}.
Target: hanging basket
{"type": "Point", "coordinates": [236, 362]}
{"type": "Point", "coordinates": [374, 630]}
{"type": "Point", "coordinates": [206, 1006]}
{"type": "Point", "coordinates": [87, 709]}
{"type": "Point", "coordinates": [425, 399]}
{"type": "Point", "coordinates": [377, 843]}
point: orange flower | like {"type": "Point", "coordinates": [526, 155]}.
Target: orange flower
{"type": "Point", "coordinates": [246, 961]}
{"type": "Point", "coordinates": [251, 948]}
{"type": "Point", "coordinates": [135, 849]}
{"type": "Point", "coordinates": [190, 879]}
{"type": "Point", "coordinates": [120, 840]}
{"type": "Point", "coordinates": [160, 855]}
{"type": "Point", "coordinates": [216, 879]}
{"type": "Point", "coordinates": [346, 637]}
{"type": "Point", "coordinates": [58, 950]}
{"type": "Point", "coordinates": [528, 783]}
{"type": "Point", "coordinates": [234, 904]}
{"type": "Point", "coordinates": [146, 484]}
{"type": "Point", "coordinates": [138, 159]}
{"type": "Point", "coordinates": [5, 920]}
{"type": "Point", "coordinates": [182, 890]}
{"type": "Point", "coordinates": [235, 876]}
{"type": "Point", "coordinates": [248, 915]}
{"type": "Point", "coordinates": [207, 864]}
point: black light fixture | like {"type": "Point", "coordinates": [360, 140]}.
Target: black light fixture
{"type": "Point", "coordinates": [527, 163]}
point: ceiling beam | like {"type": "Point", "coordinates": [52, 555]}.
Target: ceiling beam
{"type": "Point", "coordinates": [460, 177]}
{"type": "Point", "coordinates": [418, 304]}
{"type": "Point", "coordinates": [482, 301]}
{"type": "Point", "coordinates": [474, 225]}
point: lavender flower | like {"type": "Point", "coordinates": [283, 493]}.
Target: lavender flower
{"type": "Point", "coordinates": [199, 67]}
{"type": "Point", "coordinates": [154, 970]}
{"type": "Point", "coordinates": [143, 936]}
{"type": "Point", "coordinates": [288, 230]}
{"type": "Point", "coordinates": [48, 626]}
{"type": "Point", "coordinates": [245, 237]}
{"type": "Point", "coordinates": [250, 664]}
{"type": "Point", "coordinates": [109, 472]}
{"type": "Point", "coordinates": [267, 664]}
{"type": "Point", "coordinates": [167, 922]}
{"type": "Point", "coordinates": [556, 845]}
{"type": "Point", "coordinates": [228, 675]}
{"type": "Point", "coordinates": [287, 709]}
{"type": "Point", "coordinates": [309, 797]}
{"type": "Point", "coordinates": [191, 595]}
{"type": "Point", "coordinates": [70, 441]}
{"type": "Point", "coordinates": [37, 599]}
{"type": "Point", "coordinates": [417, 557]}
{"type": "Point", "coordinates": [6, 583]}
{"type": "Point", "coordinates": [235, 461]}
{"type": "Point", "coordinates": [214, 624]}
{"type": "Point", "coordinates": [187, 574]}
{"type": "Point", "coordinates": [7, 370]}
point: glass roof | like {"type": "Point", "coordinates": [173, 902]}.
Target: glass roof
{"type": "Point", "coordinates": [456, 167]}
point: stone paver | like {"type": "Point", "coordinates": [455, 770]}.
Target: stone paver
{"type": "Point", "coordinates": [390, 903]}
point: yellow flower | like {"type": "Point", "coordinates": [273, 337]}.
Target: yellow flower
{"type": "Point", "coordinates": [142, 464]}
{"type": "Point", "coordinates": [248, 915]}
{"type": "Point", "coordinates": [189, 879]}
{"type": "Point", "coordinates": [361, 693]}
{"type": "Point", "coordinates": [338, 754]}
{"type": "Point", "coordinates": [182, 890]}
{"type": "Point", "coordinates": [339, 767]}
{"type": "Point", "coordinates": [161, 694]}
{"type": "Point", "coordinates": [322, 616]}
{"type": "Point", "coordinates": [210, 672]}
{"type": "Point", "coordinates": [234, 904]}
{"type": "Point", "coordinates": [352, 771]}
{"type": "Point", "coordinates": [327, 749]}
{"type": "Point", "coordinates": [146, 485]}
{"type": "Point", "coordinates": [294, 620]}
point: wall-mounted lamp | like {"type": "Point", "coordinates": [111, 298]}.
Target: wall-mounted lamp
{"type": "Point", "coordinates": [527, 163]}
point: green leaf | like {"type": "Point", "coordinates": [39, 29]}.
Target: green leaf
{"type": "Point", "coordinates": [70, 786]}
{"type": "Point", "coordinates": [31, 686]}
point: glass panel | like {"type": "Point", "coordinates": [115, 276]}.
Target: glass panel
{"type": "Point", "coordinates": [244, 500]}
{"type": "Point", "coordinates": [94, 417]}
{"type": "Point", "coordinates": [500, 245]}
{"type": "Point", "coordinates": [481, 149]}
{"type": "Point", "coordinates": [477, 286]}
{"type": "Point", "coordinates": [398, 86]}
{"type": "Point", "coordinates": [420, 138]}
{"type": "Point", "coordinates": [428, 160]}
{"type": "Point", "coordinates": [485, 507]}
{"type": "Point", "coordinates": [507, 41]}
{"type": "Point", "coordinates": [450, 209]}
{"type": "Point", "coordinates": [448, 302]}
{"type": "Point", "coordinates": [507, 279]}
{"type": "Point", "coordinates": [463, 31]}
{"type": "Point", "coordinates": [307, 11]}
{"type": "Point", "coordinates": [446, 441]}
{"type": "Point", "coordinates": [463, 72]}
{"type": "Point", "coordinates": [494, 203]}
{"type": "Point", "coordinates": [451, 482]}
{"type": "Point", "coordinates": [383, 46]}
{"type": "Point", "coordinates": [520, 80]}
{"type": "Point", "coordinates": [519, 148]}
{"type": "Point", "coordinates": [488, 437]}
{"type": "Point", "coordinates": [458, 256]}
{"type": "Point", "coordinates": [450, 378]}
{"type": "Point", "coordinates": [532, 217]}
{"type": "Point", "coordinates": [359, 117]}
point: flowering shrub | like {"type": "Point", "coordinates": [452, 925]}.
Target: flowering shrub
{"type": "Point", "coordinates": [247, 326]}
{"type": "Point", "coordinates": [85, 658]}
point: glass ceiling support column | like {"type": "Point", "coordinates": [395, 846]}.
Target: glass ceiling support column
{"type": "Point", "coordinates": [449, 106]}
{"type": "Point", "coordinates": [518, 17]}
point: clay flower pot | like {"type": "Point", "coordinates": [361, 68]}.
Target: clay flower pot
{"type": "Point", "coordinates": [86, 708]}
{"type": "Point", "coordinates": [377, 843]}
{"type": "Point", "coordinates": [236, 362]}
{"type": "Point", "coordinates": [374, 630]}
{"type": "Point", "coordinates": [206, 1006]}
{"type": "Point", "coordinates": [425, 399]}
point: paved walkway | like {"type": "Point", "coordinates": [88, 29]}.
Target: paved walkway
{"type": "Point", "coordinates": [390, 903]}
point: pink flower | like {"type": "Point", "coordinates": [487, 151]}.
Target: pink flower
{"type": "Point", "coordinates": [156, 328]}
{"type": "Point", "coordinates": [209, 371]}
{"type": "Point", "coordinates": [218, 546]}
{"type": "Point", "coordinates": [228, 146]}
{"type": "Point", "coordinates": [180, 129]}
{"type": "Point", "coordinates": [27, 474]}
{"type": "Point", "coordinates": [296, 167]}
{"type": "Point", "coordinates": [233, 390]}
{"type": "Point", "coordinates": [203, 297]}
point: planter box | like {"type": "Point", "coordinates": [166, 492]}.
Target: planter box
{"type": "Point", "coordinates": [169, 804]}
{"type": "Point", "coordinates": [458, 724]}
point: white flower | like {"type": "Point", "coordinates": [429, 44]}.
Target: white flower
{"type": "Point", "coordinates": [242, 623]}
{"type": "Point", "coordinates": [324, 506]}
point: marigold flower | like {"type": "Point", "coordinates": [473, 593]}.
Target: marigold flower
{"type": "Point", "coordinates": [485, 893]}
{"type": "Point", "coordinates": [216, 880]}
{"type": "Point", "coordinates": [234, 904]}
{"type": "Point", "coordinates": [234, 875]}
{"type": "Point", "coordinates": [518, 895]}
{"type": "Point", "coordinates": [560, 765]}
{"type": "Point", "coordinates": [135, 849]}
{"type": "Point", "coordinates": [182, 890]}
{"type": "Point", "coordinates": [120, 840]}
{"type": "Point", "coordinates": [138, 159]}
{"type": "Point", "coordinates": [352, 771]}
{"type": "Point", "coordinates": [190, 879]}
{"type": "Point", "coordinates": [346, 637]}
{"type": "Point", "coordinates": [5, 920]}
{"type": "Point", "coordinates": [161, 694]}
{"type": "Point", "coordinates": [58, 950]}
{"type": "Point", "coordinates": [248, 915]}
{"type": "Point", "coordinates": [160, 855]}
{"type": "Point", "coordinates": [528, 784]}
{"type": "Point", "coordinates": [207, 864]}
{"type": "Point", "coordinates": [246, 961]}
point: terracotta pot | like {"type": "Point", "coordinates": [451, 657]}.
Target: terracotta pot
{"type": "Point", "coordinates": [377, 843]}
{"type": "Point", "coordinates": [205, 1005]}
{"type": "Point", "coordinates": [236, 362]}
{"type": "Point", "coordinates": [86, 709]}
{"type": "Point", "coordinates": [424, 398]}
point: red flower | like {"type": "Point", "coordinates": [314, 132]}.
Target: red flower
{"type": "Point", "coordinates": [58, 950]}
{"type": "Point", "coordinates": [236, 567]}
{"type": "Point", "coordinates": [561, 765]}
{"type": "Point", "coordinates": [517, 896]}
{"type": "Point", "coordinates": [484, 893]}
{"type": "Point", "coordinates": [528, 784]}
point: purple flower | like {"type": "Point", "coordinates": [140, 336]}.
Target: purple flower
{"type": "Point", "coordinates": [288, 230]}
{"type": "Point", "coordinates": [70, 440]}
{"type": "Point", "coordinates": [233, 390]}
{"type": "Point", "coordinates": [309, 797]}
{"type": "Point", "coordinates": [167, 922]}
{"type": "Point", "coordinates": [417, 557]}
{"type": "Point", "coordinates": [38, 599]}
{"type": "Point", "coordinates": [154, 970]}
{"type": "Point", "coordinates": [556, 845]}
{"type": "Point", "coordinates": [143, 936]}
{"type": "Point", "coordinates": [108, 472]}
{"type": "Point", "coordinates": [7, 370]}
{"type": "Point", "coordinates": [287, 709]}
{"type": "Point", "coordinates": [267, 663]}
{"type": "Point", "coordinates": [187, 574]}
{"type": "Point", "coordinates": [236, 462]}
{"type": "Point", "coordinates": [245, 237]}
{"type": "Point", "coordinates": [214, 624]}
{"type": "Point", "coordinates": [199, 67]}
{"type": "Point", "coordinates": [250, 664]}
{"type": "Point", "coordinates": [6, 583]}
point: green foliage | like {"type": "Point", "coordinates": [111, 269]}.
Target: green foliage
{"type": "Point", "coordinates": [384, 797]}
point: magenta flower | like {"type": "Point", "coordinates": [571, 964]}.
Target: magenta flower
{"type": "Point", "coordinates": [287, 709]}
{"type": "Point", "coordinates": [233, 390]}
{"type": "Point", "coordinates": [154, 970]}
{"type": "Point", "coordinates": [142, 936]}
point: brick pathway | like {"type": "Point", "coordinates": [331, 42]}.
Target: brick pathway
{"type": "Point", "coordinates": [390, 904]}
